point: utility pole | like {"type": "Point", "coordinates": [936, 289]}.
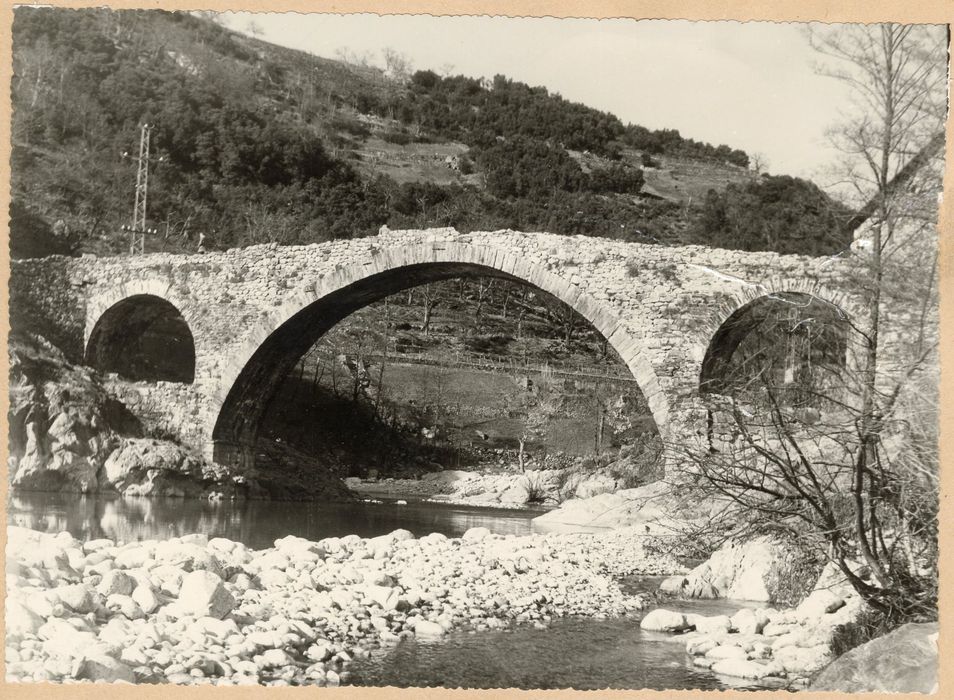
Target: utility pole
{"type": "Point", "coordinates": [137, 232]}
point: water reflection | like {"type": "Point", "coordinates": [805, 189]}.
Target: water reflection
{"type": "Point", "coordinates": [256, 523]}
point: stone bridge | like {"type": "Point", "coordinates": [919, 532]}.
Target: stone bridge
{"type": "Point", "coordinates": [220, 330]}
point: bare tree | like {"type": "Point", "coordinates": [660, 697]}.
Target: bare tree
{"type": "Point", "coordinates": [254, 28]}
{"type": "Point", "coordinates": [397, 66]}
{"type": "Point", "coordinates": [537, 403]}
{"type": "Point", "coordinates": [859, 478]}
{"type": "Point", "coordinates": [431, 299]}
{"type": "Point", "coordinates": [758, 163]}
{"type": "Point", "coordinates": [484, 290]}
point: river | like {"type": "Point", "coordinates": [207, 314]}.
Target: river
{"type": "Point", "coordinates": [579, 653]}
{"type": "Point", "coordinates": [255, 523]}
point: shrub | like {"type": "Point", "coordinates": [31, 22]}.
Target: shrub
{"type": "Point", "coordinates": [869, 625]}
{"type": "Point", "coordinates": [537, 487]}
{"type": "Point", "coordinates": [639, 462]}
{"type": "Point", "coordinates": [401, 138]}
{"type": "Point", "coordinates": [349, 126]}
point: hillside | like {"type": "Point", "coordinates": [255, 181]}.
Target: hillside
{"type": "Point", "coordinates": [450, 374]}
{"type": "Point", "coordinates": [262, 143]}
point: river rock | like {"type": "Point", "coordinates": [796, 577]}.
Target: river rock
{"type": "Point", "coordinates": [777, 629]}
{"type": "Point", "coordinates": [902, 661]}
{"type": "Point", "coordinates": [124, 605]}
{"type": "Point", "coordinates": [661, 620]}
{"type": "Point", "coordinates": [802, 661]}
{"type": "Point", "coordinates": [384, 596]}
{"type": "Point", "coordinates": [426, 629]}
{"type": "Point", "coordinates": [78, 598]}
{"type": "Point", "coordinates": [758, 569]}
{"type": "Point", "coordinates": [700, 645]}
{"type": "Point", "coordinates": [748, 621]}
{"type": "Point", "coordinates": [19, 620]}
{"type": "Point", "coordinates": [673, 585]}
{"type": "Point", "coordinates": [296, 545]}
{"type": "Point", "coordinates": [818, 603]}
{"type": "Point", "coordinates": [145, 596]}
{"type": "Point", "coordinates": [187, 556]}
{"type": "Point", "coordinates": [100, 667]}
{"type": "Point", "coordinates": [475, 534]}
{"type": "Point", "coordinates": [594, 485]}
{"type": "Point", "coordinates": [327, 610]}
{"type": "Point", "coordinates": [116, 582]}
{"type": "Point", "coordinates": [710, 625]}
{"type": "Point", "coordinates": [742, 668]}
{"type": "Point", "coordinates": [62, 639]}
{"type": "Point", "coordinates": [273, 658]}
{"type": "Point", "coordinates": [726, 651]}
{"type": "Point", "coordinates": [134, 556]}
{"type": "Point", "coordinates": [623, 508]}
{"type": "Point", "coordinates": [203, 594]}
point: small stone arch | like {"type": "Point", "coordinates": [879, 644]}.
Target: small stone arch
{"type": "Point", "coordinates": [739, 316]}
{"type": "Point", "coordinates": [140, 336]}
{"type": "Point", "coordinates": [277, 342]}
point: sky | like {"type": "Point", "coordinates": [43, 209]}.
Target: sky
{"type": "Point", "coordinates": [749, 85]}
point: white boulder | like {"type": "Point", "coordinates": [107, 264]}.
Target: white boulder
{"type": "Point", "coordinates": [662, 620]}
{"type": "Point", "coordinates": [203, 594]}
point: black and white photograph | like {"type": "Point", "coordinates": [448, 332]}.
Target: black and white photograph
{"type": "Point", "coordinates": [473, 352]}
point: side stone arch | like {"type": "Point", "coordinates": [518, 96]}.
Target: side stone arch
{"type": "Point", "coordinates": [136, 331]}
{"type": "Point", "coordinates": [99, 302]}
{"type": "Point", "coordinates": [747, 292]}
{"type": "Point", "coordinates": [275, 343]}
{"type": "Point", "coordinates": [843, 307]}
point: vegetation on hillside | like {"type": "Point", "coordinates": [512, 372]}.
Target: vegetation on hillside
{"type": "Point", "coordinates": [264, 144]}
{"type": "Point", "coordinates": [779, 213]}
{"type": "Point", "coordinates": [460, 373]}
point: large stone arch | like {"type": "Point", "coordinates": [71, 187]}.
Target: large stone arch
{"type": "Point", "coordinates": [136, 332]}
{"type": "Point", "coordinates": [276, 343]}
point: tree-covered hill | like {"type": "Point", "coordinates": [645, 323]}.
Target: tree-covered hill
{"type": "Point", "coordinates": [261, 143]}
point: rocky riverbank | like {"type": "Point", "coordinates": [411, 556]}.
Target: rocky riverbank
{"type": "Point", "coordinates": [195, 611]}
{"type": "Point", "coordinates": [767, 643]}
{"type": "Point", "coordinates": [69, 433]}
{"type": "Point", "coordinates": [542, 487]}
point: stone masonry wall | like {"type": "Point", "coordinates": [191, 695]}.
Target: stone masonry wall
{"type": "Point", "coordinates": [658, 306]}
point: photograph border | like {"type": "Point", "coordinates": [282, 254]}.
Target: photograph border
{"type": "Point", "coordinates": [829, 11]}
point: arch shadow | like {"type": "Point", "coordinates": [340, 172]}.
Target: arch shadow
{"type": "Point", "coordinates": [143, 337]}
{"type": "Point", "coordinates": [760, 314]}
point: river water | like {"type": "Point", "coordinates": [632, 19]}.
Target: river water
{"type": "Point", "coordinates": [255, 523]}
{"type": "Point", "coordinates": [579, 653]}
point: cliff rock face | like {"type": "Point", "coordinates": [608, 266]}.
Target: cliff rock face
{"type": "Point", "coordinates": [68, 434]}
{"type": "Point", "coordinates": [61, 422]}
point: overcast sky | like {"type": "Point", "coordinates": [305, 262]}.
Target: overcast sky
{"type": "Point", "coordinates": [749, 85]}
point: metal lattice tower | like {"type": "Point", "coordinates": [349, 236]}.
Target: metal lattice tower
{"type": "Point", "coordinates": [138, 230]}
{"type": "Point", "coordinates": [142, 187]}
